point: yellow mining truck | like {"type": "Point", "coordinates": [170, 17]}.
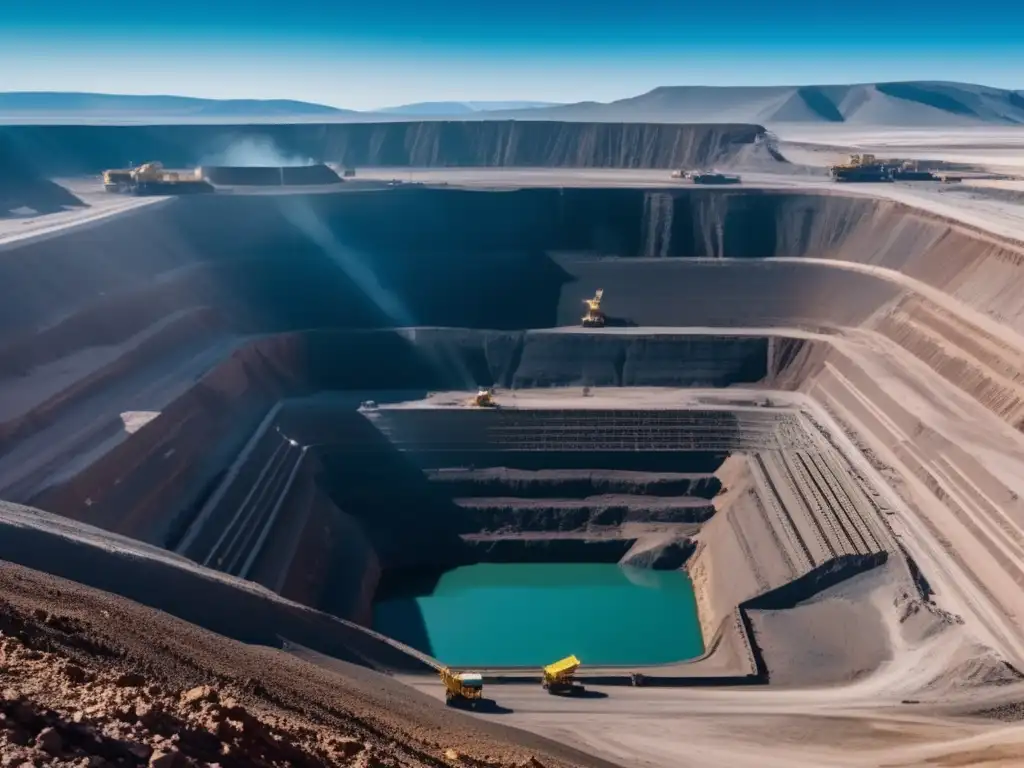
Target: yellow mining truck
{"type": "Point", "coordinates": [559, 678]}
{"type": "Point", "coordinates": [594, 318]}
{"type": "Point", "coordinates": [461, 688]}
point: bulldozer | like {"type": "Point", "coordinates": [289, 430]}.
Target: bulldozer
{"type": "Point", "coordinates": [594, 318]}
{"type": "Point", "coordinates": [484, 399]}
{"type": "Point", "coordinates": [461, 688]}
{"type": "Point", "coordinates": [559, 678]}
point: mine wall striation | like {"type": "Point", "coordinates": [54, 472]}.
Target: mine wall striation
{"type": "Point", "coordinates": [215, 416]}
{"type": "Point", "coordinates": [440, 359]}
{"type": "Point", "coordinates": [500, 513]}
{"type": "Point", "coordinates": [533, 271]}
{"type": "Point", "coordinates": [277, 272]}
{"type": "Point", "coordinates": [788, 524]}
{"type": "Point", "coordinates": [71, 149]}
{"type": "Point", "coordinates": [415, 526]}
{"type": "Point", "coordinates": [572, 484]}
{"type": "Point", "coordinates": [254, 256]}
{"type": "Point", "coordinates": [167, 465]}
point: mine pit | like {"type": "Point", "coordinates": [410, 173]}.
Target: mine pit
{"type": "Point", "coordinates": [546, 517]}
{"type": "Point", "coordinates": [402, 514]}
{"type": "Point", "coordinates": [710, 459]}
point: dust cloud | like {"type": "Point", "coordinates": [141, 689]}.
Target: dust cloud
{"type": "Point", "coordinates": [255, 151]}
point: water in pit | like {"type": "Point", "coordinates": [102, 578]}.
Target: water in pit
{"type": "Point", "coordinates": [521, 614]}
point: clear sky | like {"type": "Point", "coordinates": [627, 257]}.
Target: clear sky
{"type": "Point", "coordinates": [384, 52]}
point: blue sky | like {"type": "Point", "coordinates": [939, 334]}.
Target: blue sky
{"type": "Point", "coordinates": [373, 54]}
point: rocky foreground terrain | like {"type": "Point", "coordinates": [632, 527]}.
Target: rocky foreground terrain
{"type": "Point", "coordinates": [90, 679]}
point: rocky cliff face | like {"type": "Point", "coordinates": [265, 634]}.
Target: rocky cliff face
{"type": "Point", "coordinates": [282, 262]}
{"type": "Point", "coordinates": [70, 149]}
{"type": "Point", "coordinates": [22, 187]}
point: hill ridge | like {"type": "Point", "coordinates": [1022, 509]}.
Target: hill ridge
{"type": "Point", "coordinates": [911, 103]}
{"type": "Point", "coordinates": [891, 103]}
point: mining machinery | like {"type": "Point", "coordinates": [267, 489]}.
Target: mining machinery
{"type": "Point", "coordinates": [705, 177]}
{"type": "Point", "coordinates": [908, 170]}
{"type": "Point", "coordinates": [153, 179]}
{"type": "Point", "coordinates": [714, 177]}
{"type": "Point", "coordinates": [594, 318]}
{"type": "Point", "coordinates": [861, 168]}
{"type": "Point", "coordinates": [559, 678]}
{"type": "Point", "coordinates": [117, 180]}
{"type": "Point", "coordinates": [871, 168]}
{"type": "Point", "coordinates": [461, 688]}
{"type": "Point", "coordinates": [484, 399]}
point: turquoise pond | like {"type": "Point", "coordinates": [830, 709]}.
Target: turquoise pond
{"type": "Point", "coordinates": [523, 614]}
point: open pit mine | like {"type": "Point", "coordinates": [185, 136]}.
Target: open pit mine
{"type": "Point", "coordinates": [787, 464]}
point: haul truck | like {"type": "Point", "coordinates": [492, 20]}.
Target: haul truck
{"type": "Point", "coordinates": [559, 678]}
{"type": "Point", "coordinates": [461, 687]}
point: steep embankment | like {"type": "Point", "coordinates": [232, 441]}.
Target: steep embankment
{"type": "Point", "coordinates": [21, 185]}
{"type": "Point", "coordinates": [119, 680]}
{"type": "Point", "coordinates": [71, 149]}
{"type": "Point", "coordinates": [279, 263]}
{"type": "Point", "coordinates": [483, 260]}
{"type": "Point", "coordinates": [284, 262]}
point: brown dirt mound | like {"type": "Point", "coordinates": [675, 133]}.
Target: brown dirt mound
{"type": "Point", "coordinates": [90, 679]}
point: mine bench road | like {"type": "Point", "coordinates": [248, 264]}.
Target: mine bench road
{"type": "Point", "coordinates": [1001, 218]}
{"type": "Point", "coordinates": [1005, 219]}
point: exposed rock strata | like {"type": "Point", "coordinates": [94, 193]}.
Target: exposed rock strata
{"type": "Point", "coordinates": [72, 149]}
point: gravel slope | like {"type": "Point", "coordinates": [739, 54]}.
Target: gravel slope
{"type": "Point", "coordinates": [89, 678]}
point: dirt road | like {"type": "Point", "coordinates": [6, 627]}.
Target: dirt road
{"type": "Point", "coordinates": [861, 725]}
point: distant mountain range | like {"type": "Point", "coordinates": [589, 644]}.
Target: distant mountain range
{"type": "Point", "coordinates": [455, 108]}
{"type": "Point", "coordinates": [911, 104]}
{"type": "Point", "coordinates": [923, 104]}
{"type": "Point", "coordinates": [71, 105]}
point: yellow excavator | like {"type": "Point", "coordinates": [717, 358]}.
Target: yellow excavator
{"type": "Point", "coordinates": [484, 399]}
{"type": "Point", "coordinates": [560, 677]}
{"type": "Point", "coordinates": [461, 688]}
{"type": "Point", "coordinates": [594, 318]}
